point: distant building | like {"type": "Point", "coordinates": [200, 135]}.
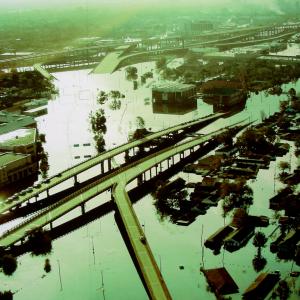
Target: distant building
{"type": "Point", "coordinates": [22, 141]}
{"type": "Point", "coordinates": [262, 286]}
{"type": "Point", "coordinates": [174, 98]}
{"type": "Point", "coordinates": [173, 92]}
{"type": "Point", "coordinates": [15, 166]}
{"type": "Point", "coordinates": [224, 95]}
{"type": "Point", "coordinates": [220, 281]}
{"type": "Point", "coordinates": [12, 121]}
{"type": "Point", "coordinates": [198, 27]}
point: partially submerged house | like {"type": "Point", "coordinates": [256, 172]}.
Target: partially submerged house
{"type": "Point", "coordinates": [220, 281]}
{"type": "Point", "coordinates": [239, 237]}
{"type": "Point", "coordinates": [262, 286]}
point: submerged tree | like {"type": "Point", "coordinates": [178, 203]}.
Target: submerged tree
{"type": "Point", "coordinates": [259, 241]}
{"type": "Point", "coordinates": [259, 262]}
{"type": "Point", "coordinates": [98, 121]}
{"type": "Point", "coordinates": [40, 242]}
{"type": "Point", "coordinates": [9, 264]}
{"type": "Point", "coordinates": [102, 97]}
{"type": "Point", "coordinates": [47, 265]}
{"type": "Point", "coordinates": [7, 295]}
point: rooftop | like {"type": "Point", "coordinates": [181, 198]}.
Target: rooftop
{"type": "Point", "coordinates": [221, 281]}
{"type": "Point", "coordinates": [6, 158]}
{"type": "Point", "coordinates": [18, 137]}
{"type": "Point", "coordinates": [12, 121]}
{"type": "Point", "coordinates": [171, 86]}
{"type": "Point", "coordinates": [262, 285]}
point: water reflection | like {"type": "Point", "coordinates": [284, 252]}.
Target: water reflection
{"type": "Point", "coordinates": [175, 108]}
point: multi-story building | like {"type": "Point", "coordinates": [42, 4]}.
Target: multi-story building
{"type": "Point", "coordinates": [15, 166]}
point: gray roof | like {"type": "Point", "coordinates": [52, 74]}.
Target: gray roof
{"type": "Point", "coordinates": [6, 158]}
{"type": "Point", "coordinates": [18, 137]}
{"type": "Point", "coordinates": [171, 86]}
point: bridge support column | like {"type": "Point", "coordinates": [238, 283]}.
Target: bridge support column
{"type": "Point", "coordinates": [82, 208]}
{"type": "Point", "coordinates": [150, 171]}
{"type": "Point", "coordinates": [75, 180]}
{"type": "Point", "coordinates": [102, 167]}
{"type": "Point", "coordinates": [109, 164]}
{"type": "Point", "coordinates": [156, 170]}
{"type": "Point", "coordinates": [51, 225]}
{"type": "Point", "coordinates": [47, 191]}
{"type": "Point", "coordinates": [168, 162]}
{"type": "Point", "coordinates": [160, 167]}
{"type": "Point", "coordinates": [140, 179]}
{"type": "Point", "coordinates": [172, 160]}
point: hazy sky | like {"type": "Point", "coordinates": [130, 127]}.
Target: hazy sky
{"type": "Point", "coordinates": [273, 5]}
{"type": "Point", "coordinates": [24, 3]}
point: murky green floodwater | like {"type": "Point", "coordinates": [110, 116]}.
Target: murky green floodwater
{"type": "Point", "coordinates": [82, 272]}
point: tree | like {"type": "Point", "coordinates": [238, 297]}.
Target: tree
{"type": "Point", "coordinates": [259, 263]}
{"type": "Point", "coordinates": [284, 165]}
{"type": "Point", "coordinates": [283, 290]}
{"type": "Point", "coordinates": [140, 122]}
{"type": "Point", "coordinates": [131, 73]}
{"type": "Point", "coordinates": [292, 93]}
{"type": "Point", "coordinates": [102, 97]}
{"type": "Point", "coordinates": [47, 265]}
{"type": "Point", "coordinates": [8, 264]}
{"type": "Point", "coordinates": [100, 142]}
{"type": "Point", "coordinates": [40, 242]}
{"type": "Point", "coordinates": [98, 121]}
{"type": "Point", "coordinates": [259, 241]}
{"type": "Point", "coordinates": [161, 63]}
{"type": "Point", "coordinates": [7, 295]}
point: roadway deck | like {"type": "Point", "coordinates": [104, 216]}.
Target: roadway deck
{"type": "Point", "coordinates": [109, 63]}
{"type": "Point", "coordinates": [43, 72]}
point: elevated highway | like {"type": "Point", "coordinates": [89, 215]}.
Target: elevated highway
{"type": "Point", "coordinates": [117, 180]}
{"type": "Point", "coordinates": [100, 159]}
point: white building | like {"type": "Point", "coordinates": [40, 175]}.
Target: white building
{"type": "Point", "coordinates": [22, 141]}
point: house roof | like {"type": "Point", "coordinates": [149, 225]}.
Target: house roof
{"type": "Point", "coordinates": [262, 285]}
{"type": "Point", "coordinates": [172, 87]}
{"type": "Point", "coordinates": [6, 158]}
{"type": "Point", "coordinates": [221, 281]}
{"type": "Point", "coordinates": [18, 137]}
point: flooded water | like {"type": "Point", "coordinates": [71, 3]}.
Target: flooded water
{"type": "Point", "coordinates": [93, 261]}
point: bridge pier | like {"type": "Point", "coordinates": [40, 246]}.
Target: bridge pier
{"type": "Point", "coordinates": [140, 179]}
{"type": "Point", "coordinates": [102, 167]}
{"type": "Point", "coordinates": [109, 164]}
{"type": "Point", "coordinates": [51, 225]}
{"type": "Point", "coordinates": [82, 208]}
{"type": "Point", "coordinates": [47, 191]}
{"type": "Point", "coordinates": [75, 179]}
